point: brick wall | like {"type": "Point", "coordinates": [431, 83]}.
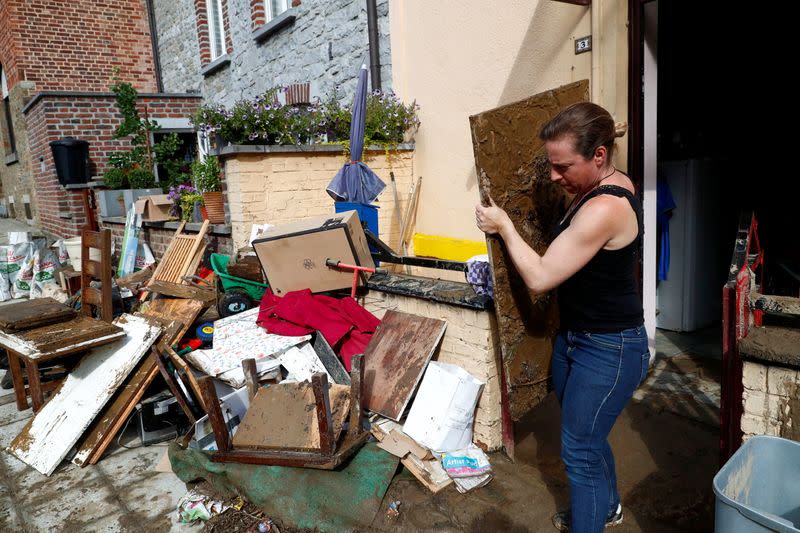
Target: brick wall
{"type": "Point", "coordinates": [771, 401]}
{"type": "Point", "coordinates": [72, 45]}
{"type": "Point", "coordinates": [278, 187]}
{"type": "Point", "coordinates": [93, 118]}
{"type": "Point", "coordinates": [158, 238]}
{"type": "Point", "coordinates": [469, 342]}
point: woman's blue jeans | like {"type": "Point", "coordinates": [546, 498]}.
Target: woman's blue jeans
{"type": "Point", "coordinates": [594, 376]}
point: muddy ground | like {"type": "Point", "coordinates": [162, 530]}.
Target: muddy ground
{"type": "Point", "coordinates": [665, 466]}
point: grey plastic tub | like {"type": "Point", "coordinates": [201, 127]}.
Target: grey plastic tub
{"type": "Point", "coordinates": [758, 489]}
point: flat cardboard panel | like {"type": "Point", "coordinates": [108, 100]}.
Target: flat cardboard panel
{"type": "Point", "coordinates": [293, 255]}
{"type": "Point", "coordinates": [395, 360]}
{"type": "Point", "coordinates": [283, 416]}
{"type": "Point", "coordinates": [513, 169]}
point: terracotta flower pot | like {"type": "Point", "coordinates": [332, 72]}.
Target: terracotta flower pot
{"type": "Point", "coordinates": [214, 206]}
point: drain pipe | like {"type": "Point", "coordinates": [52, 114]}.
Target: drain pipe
{"type": "Point", "coordinates": [374, 48]}
{"type": "Point", "coordinates": [151, 18]}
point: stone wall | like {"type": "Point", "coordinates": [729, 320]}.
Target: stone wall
{"type": "Point", "coordinates": [469, 342]}
{"type": "Point", "coordinates": [279, 184]}
{"type": "Point", "coordinates": [325, 45]}
{"type": "Point", "coordinates": [771, 400]}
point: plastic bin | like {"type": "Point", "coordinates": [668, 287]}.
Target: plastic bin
{"type": "Point", "coordinates": [758, 489]}
{"type": "Point", "coordinates": [71, 157]}
{"type": "Point", "coordinates": [366, 213]}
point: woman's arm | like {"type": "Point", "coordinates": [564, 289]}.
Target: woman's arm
{"type": "Point", "coordinates": [589, 231]}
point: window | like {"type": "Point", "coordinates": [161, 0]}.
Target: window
{"type": "Point", "coordinates": [8, 126]}
{"type": "Point", "coordinates": [273, 8]}
{"type": "Point", "coordinates": [216, 28]}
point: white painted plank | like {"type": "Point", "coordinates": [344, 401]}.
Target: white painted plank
{"type": "Point", "coordinates": [28, 349]}
{"type": "Point", "coordinates": [54, 430]}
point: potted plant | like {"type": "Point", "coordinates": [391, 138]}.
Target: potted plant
{"type": "Point", "coordinates": [206, 177]}
{"type": "Point", "coordinates": [184, 197]}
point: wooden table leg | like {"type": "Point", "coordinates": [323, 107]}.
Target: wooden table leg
{"type": "Point", "coordinates": [17, 379]}
{"type": "Point", "coordinates": [37, 398]}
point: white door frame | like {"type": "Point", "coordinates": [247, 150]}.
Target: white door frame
{"type": "Point", "coordinates": [650, 159]}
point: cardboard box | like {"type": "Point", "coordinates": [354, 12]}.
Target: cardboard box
{"type": "Point", "coordinates": [293, 255]}
{"type": "Point", "coordinates": [154, 208]}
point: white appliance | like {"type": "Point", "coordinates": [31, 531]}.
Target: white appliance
{"type": "Point", "coordinates": [691, 296]}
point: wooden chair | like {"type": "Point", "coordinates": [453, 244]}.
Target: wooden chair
{"type": "Point", "coordinates": [40, 345]}
{"type": "Point", "coordinates": [91, 297]}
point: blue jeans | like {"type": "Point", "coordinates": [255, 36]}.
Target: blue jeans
{"type": "Point", "coordinates": [594, 376]}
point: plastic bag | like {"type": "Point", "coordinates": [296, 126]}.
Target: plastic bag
{"type": "Point", "coordinates": [20, 269]}
{"type": "Point", "coordinates": [45, 264]}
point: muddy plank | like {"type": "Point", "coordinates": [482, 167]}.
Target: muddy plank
{"type": "Point", "coordinates": [247, 267]}
{"type": "Point", "coordinates": [53, 431]}
{"type": "Point", "coordinates": [33, 314]}
{"type": "Point", "coordinates": [775, 305]}
{"type": "Point", "coordinates": [512, 168]}
{"type": "Point", "coordinates": [66, 334]}
{"type": "Point", "coordinates": [395, 360]}
{"type": "Point", "coordinates": [182, 291]}
{"type": "Point", "coordinates": [283, 416]}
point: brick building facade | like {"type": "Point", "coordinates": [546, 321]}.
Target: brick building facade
{"type": "Point", "coordinates": [57, 58]}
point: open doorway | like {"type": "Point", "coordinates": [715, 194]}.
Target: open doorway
{"type": "Point", "coordinates": [715, 154]}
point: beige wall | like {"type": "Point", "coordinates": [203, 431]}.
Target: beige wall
{"type": "Point", "coordinates": [280, 187]}
{"type": "Point", "coordinates": [459, 58]}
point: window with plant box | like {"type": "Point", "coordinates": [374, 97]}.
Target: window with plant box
{"type": "Point", "coordinates": [216, 28]}
{"type": "Point", "coordinates": [273, 8]}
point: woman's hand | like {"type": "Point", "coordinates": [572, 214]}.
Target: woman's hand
{"type": "Point", "coordinates": [492, 219]}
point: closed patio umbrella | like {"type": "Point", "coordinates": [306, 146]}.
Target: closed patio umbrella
{"type": "Point", "coordinates": [355, 181]}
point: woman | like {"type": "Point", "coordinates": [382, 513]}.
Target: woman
{"type": "Point", "coordinates": [600, 354]}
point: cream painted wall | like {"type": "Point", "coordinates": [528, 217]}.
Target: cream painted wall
{"type": "Point", "coordinates": [460, 57]}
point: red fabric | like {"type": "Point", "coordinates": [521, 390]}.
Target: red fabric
{"type": "Point", "coordinates": [346, 325]}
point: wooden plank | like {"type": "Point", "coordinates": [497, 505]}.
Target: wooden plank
{"type": "Point", "coordinates": [395, 360]}
{"type": "Point", "coordinates": [250, 377]}
{"type": "Point", "coordinates": [284, 416]}
{"type": "Point", "coordinates": [513, 169]}
{"type": "Point", "coordinates": [183, 291]}
{"type": "Point", "coordinates": [303, 459]}
{"type": "Point", "coordinates": [179, 363]}
{"type": "Point", "coordinates": [356, 405]}
{"type": "Point", "coordinates": [53, 431]}
{"type": "Point", "coordinates": [65, 334]}
{"type": "Point", "coordinates": [33, 314]}
{"type": "Point", "coordinates": [129, 393]}
{"type": "Point", "coordinates": [173, 386]}
{"type": "Point", "coordinates": [322, 407]}
{"type": "Point", "coordinates": [214, 412]}
{"type": "Point", "coordinates": [25, 348]}
{"type": "Point", "coordinates": [247, 267]}
{"type": "Point", "coordinates": [136, 280]}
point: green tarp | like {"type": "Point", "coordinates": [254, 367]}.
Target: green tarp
{"type": "Point", "coordinates": [329, 500]}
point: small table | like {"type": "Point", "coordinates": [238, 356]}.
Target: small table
{"type": "Point", "coordinates": [39, 345]}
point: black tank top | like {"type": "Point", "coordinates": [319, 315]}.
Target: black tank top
{"type": "Point", "coordinates": [603, 296]}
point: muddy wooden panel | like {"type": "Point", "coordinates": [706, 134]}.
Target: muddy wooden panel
{"type": "Point", "coordinates": [283, 416]}
{"type": "Point", "coordinates": [513, 169]}
{"type": "Point", "coordinates": [395, 360]}
{"type": "Point", "coordinates": [182, 291]}
{"type": "Point", "coordinates": [182, 310]}
{"type": "Point", "coordinates": [33, 314]}
{"type": "Point", "coordinates": [52, 432]}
